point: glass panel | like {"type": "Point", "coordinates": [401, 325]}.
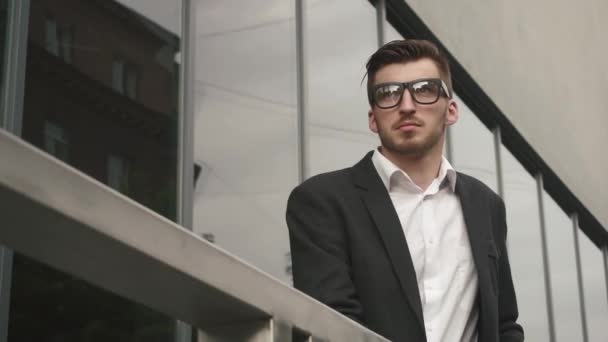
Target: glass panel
{"type": "Point", "coordinates": [594, 285]}
{"type": "Point", "coordinates": [3, 19]}
{"type": "Point", "coordinates": [118, 72]}
{"type": "Point", "coordinates": [473, 147]}
{"type": "Point", "coordinates": [51, 43]}
{"type": "Point", "coordinates": [524, 242]}
{"type": "Point", "coordinates": [48, 305]}
{"type": "Point", "coordinates": [66, 44]}
{"type": "Point", "coordinates": [390, 32]}
{"type": "Point", "coordinates": [55, 140]}
{"type": "Point", "coordinates": [125, 137]}
{"type": "Point", "coordinates": [562, 263]}
{"type": "Point", "coordinates": [118, 173]}
{"type": "Point", "coordinates": [337, 101]}
{"type": "Point", "coordinates": [89, 96]}
{"type": "Point", "coordinates": [246, 128]}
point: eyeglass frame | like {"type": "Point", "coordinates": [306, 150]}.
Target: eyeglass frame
{"type": "Point", "coordinates": [408, 86]}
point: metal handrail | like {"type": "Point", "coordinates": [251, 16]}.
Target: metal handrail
{"type": "Point", "coordinates": [54, 213]}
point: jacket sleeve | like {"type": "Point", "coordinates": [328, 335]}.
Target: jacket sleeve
{"type": "Point", "coordinates": [319, 250]}
{"type": "Point", "coordinates": [509, 329]}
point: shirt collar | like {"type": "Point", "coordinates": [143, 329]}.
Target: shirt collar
{"type": "Point", "coordinates": [387, 168]}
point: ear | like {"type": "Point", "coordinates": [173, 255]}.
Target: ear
{"type": "Point", "coordinates": [373, 125]}
{"type": "Point", "coordinates": [452, 113]}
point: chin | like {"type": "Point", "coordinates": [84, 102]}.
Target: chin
{"type": "Point", "coordinates": [412, 147]}
{"type": "Point", "coordinates": [406, 149]}
{"type": "Point", "coordinates": [412, 151]}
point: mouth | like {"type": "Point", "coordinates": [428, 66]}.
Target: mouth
{"type": "Point", "coordinates": [408, 126]}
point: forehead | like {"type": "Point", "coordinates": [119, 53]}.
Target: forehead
{"type": "Point", "coordinates": [405, 72]}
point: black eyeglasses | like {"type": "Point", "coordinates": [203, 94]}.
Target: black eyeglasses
{"type": "Point", "coordinates": [423, 91]}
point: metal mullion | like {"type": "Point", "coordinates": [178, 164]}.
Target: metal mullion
{"type": "Point", "coordinates": [381, 21]}
{"type": "Point", "coordinates": [579, 276]}
{"type": "Point", "coordinates": [499, 171]}
{"type": "Point", "coordinates": [185, 162]}
{"type": "Point", "coordinates": [13, 81]}
{"type": "Point", "coordinates": [303, 169]}
{"type": "Point", "coordinates": [6, 263]}
{"type": "Point", "coordinates": [498, 160]}
{"type": "Point", "coordinates": [449, 149]}
{"type": "Point", "coordinates": [547, 272]}
{"type": "Point", "coordinates": [186, 119]}
{"type": "Point", "coordinates": [14, 65]}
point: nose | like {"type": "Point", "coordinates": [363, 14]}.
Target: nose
{"type": "Point", "coordinates": [407, 105]}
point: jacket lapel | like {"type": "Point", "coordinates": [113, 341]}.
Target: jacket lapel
{"type": "Point", "coordinates": [380, 206]}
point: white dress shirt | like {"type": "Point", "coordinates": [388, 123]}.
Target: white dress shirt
{"type": "Point", "coordinates": [438, 242]}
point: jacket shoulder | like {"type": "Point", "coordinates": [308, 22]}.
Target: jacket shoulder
{"type": "Point", "coordinates": [327, 182]}
{"type": "Point", "coordinates": [479, 188]}
{"type": "Point", "coordinates": [475, 184]}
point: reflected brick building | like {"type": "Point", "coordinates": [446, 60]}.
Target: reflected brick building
{"type": "Point", "coordinates": [101, 94]}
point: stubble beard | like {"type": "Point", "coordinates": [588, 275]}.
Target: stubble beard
{"type": "Point", "coordinates": [408, 147]}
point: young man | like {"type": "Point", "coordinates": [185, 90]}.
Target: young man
{"type": "Point", "coordinates": [401, 242]}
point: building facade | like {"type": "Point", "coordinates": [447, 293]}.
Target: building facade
{"type": "Point", "coordinates": [208, 113]}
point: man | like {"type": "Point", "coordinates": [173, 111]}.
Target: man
{"type": "Point", "coordinates": [401, 242]}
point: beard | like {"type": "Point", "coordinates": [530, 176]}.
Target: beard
{"type": "Point", "coordinates": [411, 144]}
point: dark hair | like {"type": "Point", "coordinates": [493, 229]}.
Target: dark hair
{"type": "Point", "coordinates": [403, 51]}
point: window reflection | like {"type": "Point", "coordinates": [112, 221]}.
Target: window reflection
{"type": "Point", "coordinates": [48, 305]}
{"type": "Point", "coordinates": [58, 39]}
{"type": "Point", "coordinates": [118, 173]}
{"type": "Point", "coordinates": [55, 140]}
{"type": "Point", "coordinates": [124, 78]}
{"type": "Point", "coordinates": [100, 94]}
{"type": "Point", "coordinates": [337, 100]}
{"type": "Point", "coordinates": [90, 95]}
{"type": "Point", "coordinates": [246, 128]}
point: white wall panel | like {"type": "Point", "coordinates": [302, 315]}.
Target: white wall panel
{"type": "Point", "coordinates": [543, 63]}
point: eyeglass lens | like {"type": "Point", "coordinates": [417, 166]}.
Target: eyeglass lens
{"type": "Point", "coordinates": [423, 92]}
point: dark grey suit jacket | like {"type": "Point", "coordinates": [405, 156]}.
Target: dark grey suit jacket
{"type": "Point", "coordinates": [349, 252]}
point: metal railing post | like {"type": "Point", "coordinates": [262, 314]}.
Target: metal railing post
{"type": "Point", "coordinates": [579, 276]}
{"type": "Point", "coordinates": [381, 21]}
{"type": "Point", "coordinates": [547, 272]}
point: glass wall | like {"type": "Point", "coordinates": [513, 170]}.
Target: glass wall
{"type": "Point", "coordinates": [340, 37]}
{"type": "Point", "coordinates": [246, 128]}
{"type": "Point", "coordinates": [524, 245]}
{"type": "Point", "coordinates": [562, 264]}
{"type": "Point", "coordinates": [594, 286]}
{"type": "Point", "coordinates": [100, 94]}
{"type": "Point", "coordinates": [48, 305]}
{"type": "Point", "coordinates": [5, 253]}
{"type": "Point", "coordinates": [473, 147]}
{"type": "Point", "coordinates": [106, 104]}
{"type": "Point", "coordinates": [3, 41]}
{"type": "Point", "coordinates": [390, 33]}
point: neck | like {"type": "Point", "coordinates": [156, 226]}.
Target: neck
{"type": "Point", "coordinates": [421, 168]}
